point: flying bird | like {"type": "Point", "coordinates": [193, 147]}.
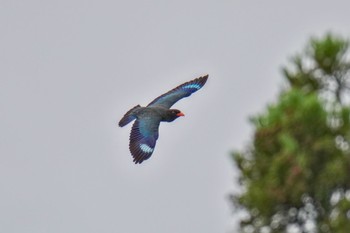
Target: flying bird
{"type": "Point", "coordinates": [144, 132]}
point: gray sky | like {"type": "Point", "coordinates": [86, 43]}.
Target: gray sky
{"type": "Point", "coordinates": [70, 69]}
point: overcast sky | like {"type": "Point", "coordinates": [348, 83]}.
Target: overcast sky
{"type": "Point", "coordinates": [70, 69]}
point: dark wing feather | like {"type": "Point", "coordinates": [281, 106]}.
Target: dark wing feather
{"type": "Point", "coordinates": [143, 137]}
{"type": "Point", "coordinates": [171, 97]}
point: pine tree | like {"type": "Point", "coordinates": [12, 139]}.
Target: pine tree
{"type": "Point", "coordinates": [296, 172]}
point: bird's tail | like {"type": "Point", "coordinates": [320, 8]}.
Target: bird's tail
{"type": "Point", "coordinates": [128, 117]}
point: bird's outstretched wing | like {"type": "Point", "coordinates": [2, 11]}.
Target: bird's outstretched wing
{"type": "Point", "coordinates": [171, 97]}
{"type": "Point", "coordinates": [143, 137]}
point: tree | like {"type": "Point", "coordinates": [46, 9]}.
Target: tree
{"type": "Point", "coordinates": [296, 172]}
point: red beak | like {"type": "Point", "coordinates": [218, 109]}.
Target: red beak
{"type": "Point", "coordinates": [180, 114]}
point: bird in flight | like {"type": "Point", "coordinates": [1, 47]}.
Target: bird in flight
{"type": "Point", "coordinates": [144, 132]}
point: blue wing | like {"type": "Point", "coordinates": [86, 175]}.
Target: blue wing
{"type": "Point", "coordinates": [171, 97]}
{"type": "Point", "coordinates": [143, 137]}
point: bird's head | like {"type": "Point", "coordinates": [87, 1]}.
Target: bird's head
{"type": "Point", "coordinates": [172, 114]}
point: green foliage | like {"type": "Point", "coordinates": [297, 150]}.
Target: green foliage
{"type": "Point", "coordinates": [324, 67]}
{"type": "Point", "coordinates": [296, 173]}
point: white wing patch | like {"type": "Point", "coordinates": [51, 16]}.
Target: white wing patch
{"type": "Point", "coordinates": [193, 85]}
{"type": "Point", "coordinates": [145, 148]}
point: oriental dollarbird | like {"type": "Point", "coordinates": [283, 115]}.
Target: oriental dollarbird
{"type": "Point", "coordinates": [144, 132]}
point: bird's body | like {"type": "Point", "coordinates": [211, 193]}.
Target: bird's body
{"type": "Point", "coordinates": [144, 132]}
{"type": "Point", "coordinates": [154, 111]}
